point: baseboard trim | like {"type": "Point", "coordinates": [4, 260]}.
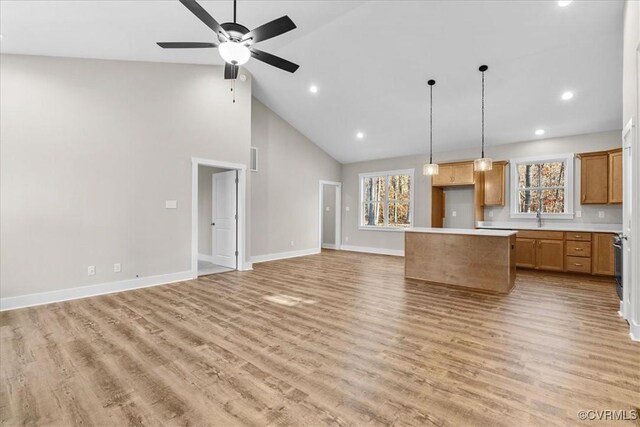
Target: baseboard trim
{"type": "Point", "coordinates": [247, 266]}
{"type": "Point", "coordinates": [12, 303]}
{"type": "Point", "coordinates": [368, 250]}
{"type": "Point", "coordinates": [329, 246]}
{"type": "Point", "coordinates": [207, 258]}
{"type": "Point", "coordinates": [284, 255]}
{"type": "Point", "coordinates": [634, 330]}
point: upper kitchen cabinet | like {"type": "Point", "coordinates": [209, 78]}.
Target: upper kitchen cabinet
{"type": "Point", "coordinates": [601, 177]}
{"type": "Point", "coordinates": [454, 174]}
{"type": "Point", "coordinates": [494, 184]}
{"type": "Point", "coordinates": [615, 176]}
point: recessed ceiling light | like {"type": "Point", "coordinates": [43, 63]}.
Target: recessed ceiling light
{"type": "Point", "coordinates": [564, 3]}
{"type": "Point", "coordinates": [313, 89]}
{"type": "Point", "coordinates": [359, 135]}
{"type": "Point", "coordinates": [567, 95]}
{"type": "Point", "coordinates": [540, 132]}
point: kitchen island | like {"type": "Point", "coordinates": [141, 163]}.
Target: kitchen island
{"type": "Point", "coordinates": [477, 259]}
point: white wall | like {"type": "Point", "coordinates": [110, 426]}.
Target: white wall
{"type": "Point", "coordinates": [90, 150]}
{"type": "Point", "coordinates": [390, 240]}
{"type": "Point", "coordinates": [284, 191]}
{"type": "Point", "coordinates": [460, 201]}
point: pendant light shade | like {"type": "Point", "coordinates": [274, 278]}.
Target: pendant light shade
{"type": "Point", "coordinates": [483, 163]}
{"type": "Point", "coordinates": [430, 168]}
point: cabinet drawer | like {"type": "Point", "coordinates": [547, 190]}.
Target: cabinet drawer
{"type": "Point", "coordinates": [579, 249]}
{"type": "Point", "coordinates": [578, 236]}
{"type": "Point", "coordinates": [534, 234]}
{"type": "Point", "coordinates": [578, 265]}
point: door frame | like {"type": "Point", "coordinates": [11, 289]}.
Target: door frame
{"type": "Point", "coordinates": [242, 210]}
{"type": "Point", "coordinates": [338, 212]}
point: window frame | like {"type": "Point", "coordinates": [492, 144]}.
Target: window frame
{"type": "Point", "coordinates": [386, 174]}
{"type": "Point", "coordinates": [569, 185]}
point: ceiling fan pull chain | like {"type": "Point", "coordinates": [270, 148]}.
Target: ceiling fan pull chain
{"type": "Point", "coordinates": [233, 86]}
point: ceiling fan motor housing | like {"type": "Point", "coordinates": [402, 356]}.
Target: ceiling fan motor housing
{"type": "Point", "coordinates": [235, 31]}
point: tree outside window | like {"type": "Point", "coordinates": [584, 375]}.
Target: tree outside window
{"type": "Point", "coordinates": [386, 199]}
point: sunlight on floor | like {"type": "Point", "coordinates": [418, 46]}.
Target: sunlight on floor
{"type": "Point", "coordinates": [288, 300]}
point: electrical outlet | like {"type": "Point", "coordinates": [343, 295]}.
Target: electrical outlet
{"type": "Point", "coordinates": [454, 213]}
{"type": "Point", "coordinates": [327, 208]}
{"type": "Point", "coordinates": [578, 214]}
{"type": "Point", "coordinates": [171, 204]}
{"type": "Point", "coordinates": [91, 270]}
{"type": "Point", "coordinates": [346, 238]}
{"type": "Point", "coordinates": [292, 244]}
{"type": "Point", "coordinates": [491, 214]}
{"type": "Point", "coordinates": [116, 267]}
{"type": "Point", "coordinates": [347, 209]}
{"type": "Point", "coordinates": [600, 214]}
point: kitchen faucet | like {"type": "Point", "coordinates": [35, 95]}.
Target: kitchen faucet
{"type": "Point", "coordinates": [539, 217]}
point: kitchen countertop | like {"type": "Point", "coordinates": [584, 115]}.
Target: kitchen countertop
{"type": "Point", "coordinates": [586, 228]}
{"type": "Point", "coordinates": [465, 231]}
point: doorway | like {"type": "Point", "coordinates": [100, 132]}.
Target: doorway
{"type": "Point", "coordinates": [330, 225]}
{"type": "Point", "coordinates": [628, 243]}
{"type": "Point", "coordinates": [218, 217]}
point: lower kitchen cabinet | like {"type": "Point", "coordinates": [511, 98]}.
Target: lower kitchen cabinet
{"type": "Point", "coordinates": [542, 254]}
{"type": "Point", "coordinates": [603, 254]}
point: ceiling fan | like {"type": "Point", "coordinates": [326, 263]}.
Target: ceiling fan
{"type": "Point", "coordinates": [235, 42]}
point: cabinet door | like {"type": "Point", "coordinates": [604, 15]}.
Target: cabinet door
{"type": "Point", "coordinates": [526, 253]}
{"type": "Point", "coordinates": [593, 180]}
{"type": "Point", "coordinates": [494, 186]}
{"type": "Point", "coordinates": [603, 254]}
{"type": "Point", "coordinates": [444, 177]}
{"type": "Point", "coordinates": [615, 177]}
{"type": "Point", "coordinates": [550, 255]}
{"type": "Point", "coordinates": [463, 174]}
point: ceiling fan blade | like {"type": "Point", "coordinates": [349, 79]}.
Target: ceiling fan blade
{"type": "Point", "coordinates": [185, 45]}
{"type": "Point", "coordinates": [269, 30]}
{"type": "Point", "coordinates": [204, 16]}
{"type": "Point", "coordinates": [230, 71]}
{"type": "Point", "coordinates": [273, 60]}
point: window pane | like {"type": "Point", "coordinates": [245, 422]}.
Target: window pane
{"type": "Point", "coordinates": [399, 214]}
{"type": "Point", "coordinates": [373, 214]}
{"type": "Point", "coordinates": [528, 201]}
{"type": "Point", "coordinates": [399, 187]}
{"type": "Point", "coordinates": [527, 176]}
{"type": "Point", "coordinates": [552, 174]}
{"type": "Point", "coordinates": [373, 188]}
{"type": "Point", "coordinates": [553, 201]}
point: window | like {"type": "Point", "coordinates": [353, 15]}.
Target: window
{"type": "Point", "coordinates": [386, 199]}
{"type": "Point", "coordinates": [542, 183]}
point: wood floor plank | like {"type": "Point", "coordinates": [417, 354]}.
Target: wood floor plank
{"type": "Point", "coordinates": [338, 338]}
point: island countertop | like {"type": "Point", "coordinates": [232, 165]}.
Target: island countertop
{"type": "Point", "coordinates": [465, 231]}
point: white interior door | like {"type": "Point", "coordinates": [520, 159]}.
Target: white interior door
{"type": "Point", "coordinates": [223, 224]}
{"type": "Point", "coordinates": [627, 223]}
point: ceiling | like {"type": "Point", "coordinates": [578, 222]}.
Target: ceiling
{"type": "Point", "coordinates": [371, 61]}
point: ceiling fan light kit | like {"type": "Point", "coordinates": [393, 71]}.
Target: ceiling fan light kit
{"type": "Point", "coordinates": [483, 163]}
{"type": "Point", "coordinates": [235, 42]}
{"type": "Point", "coordinates": [430, 168]}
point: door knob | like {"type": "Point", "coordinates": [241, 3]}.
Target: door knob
{"type": "Point", "coordinates": [213, 223]}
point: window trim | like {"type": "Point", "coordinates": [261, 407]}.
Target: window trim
{"type": "Point", "coordinates": [386, 226]}
{"type": "Point", "coordinates": [569, 184]}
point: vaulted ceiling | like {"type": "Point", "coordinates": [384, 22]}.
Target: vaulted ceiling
{"type": "Point", "coordinates": [371, 60]}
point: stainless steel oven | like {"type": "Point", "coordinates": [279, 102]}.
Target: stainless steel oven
{"type": "Point", "coordinates": [617, 248]}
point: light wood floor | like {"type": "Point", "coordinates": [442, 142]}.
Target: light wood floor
{"type": "Point", "coordinates": [338, 338]}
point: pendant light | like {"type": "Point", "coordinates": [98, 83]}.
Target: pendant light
{"type": "Point", "coordinates": [483, 163]}
{"type": "Point", "coordinates": [430, 168]}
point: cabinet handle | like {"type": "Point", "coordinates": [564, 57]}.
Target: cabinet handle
{"type": "Point", "coordinates": [578, 249]}
{"type": "Point", "coordinates": [578, 265]}
{"type": "Point", "coordinates": [584, 196]}
{"type": "Point", "coordinates": [577, 236]}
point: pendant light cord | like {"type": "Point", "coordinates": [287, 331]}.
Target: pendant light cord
{"type": "Point", "coordinates": [430, 124]}
{"type": "Point", "coordinates": [482, 115]}
{"type": "Point", "coordinates": [234, 11]}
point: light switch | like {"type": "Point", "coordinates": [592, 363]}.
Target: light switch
{"type": "Point", "coordinates": [116, 267]}
{"type": "Point", "coordinates": [600, 214]}
{"type": "Point", "coordinates": [327, 208]}
{"type": "Point", "coordinates": [578, 214]}
{"type": "Point", "coordinates": [171, 204]}
{"type": "Point", "coordinates": [347, 209]}
{"type": "Point", "coordinates": [454, 213]}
